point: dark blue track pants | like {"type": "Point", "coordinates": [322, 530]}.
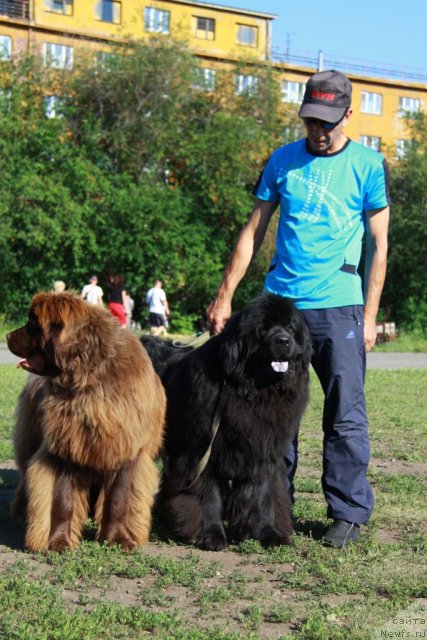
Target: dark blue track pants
{"type": "Point", "coordinates": [339, 361]}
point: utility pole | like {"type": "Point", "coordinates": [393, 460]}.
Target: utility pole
{"type": "Point", "coordinates": [288, 42]}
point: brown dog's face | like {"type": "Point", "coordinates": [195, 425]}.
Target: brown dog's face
{"type": "Point", "coordinates": [31, 344]}
{"type": "Point", "coordinates": [52, 338]}
{"type": "Point", "coordinates": [66, 339]}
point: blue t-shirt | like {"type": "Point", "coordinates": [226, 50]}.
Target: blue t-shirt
{"type": "Point", "coordinates": [323, 200]}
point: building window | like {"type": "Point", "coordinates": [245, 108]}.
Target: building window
{"type": "Point", "coordinates": [5, 48]}
{"type": "Point", "coordinates": [105, 58]}
{"type": "Point", "coordinates": [205, 28]}
{"type": "Point", "coordinates": [15, 9]}
{"type": "Point", "coordinates": [402, 147]}
{"type": "Point", "coordinates": [59, 6]}
{"type": "Point", "coordinates": [109, 11]}
{"type": "Point", "coordinates": [372, 103]}
{"type": "Point", "coordinates": [58, 56]}
{"type": "Point", "coordinates": [408, 106]}
{"type": "Point", "coordinates": [52, 106]}
{"type": "Point", "coordinates": [246, 84]}
{"type": "Point", "coordinates": [156, 20]}
{"type": "Point", "coordinates": [246, 35]}
{"type": "Point", "coordinates": [292, 133]}
{"type": "Point", "coordinates": [293, 92]}
{"type": "Point", "coordinates": [205, 79]}
{"type": "Point", "coordinates": [374, 142]}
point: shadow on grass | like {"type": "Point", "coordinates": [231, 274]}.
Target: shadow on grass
{"type": "Point", "coordinates": [12, 532]}
{"type": "Point", "coordinates": [162, 529]}
{"type": "Point", "coordinates": [311, 528]}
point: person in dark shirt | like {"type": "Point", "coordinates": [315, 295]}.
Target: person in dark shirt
{"type": "Point", "coordinates": [116, 298]}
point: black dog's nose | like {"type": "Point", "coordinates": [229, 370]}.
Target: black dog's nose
{"type": "Point", "coordinates": [282, 340]}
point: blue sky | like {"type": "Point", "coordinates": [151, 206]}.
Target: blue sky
{"type": "Point", "coordinates": [393, 32]}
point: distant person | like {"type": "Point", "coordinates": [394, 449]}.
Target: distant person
{"type": "Point", "coordinates": [116, 298]}
{"type": "Point", "coordinates": [158, 309]}
{"type": "Point", "coordinates": [59, 286]}
{"type": "Point", "coordinates": [129, 306]}
{"type": "Point", "coordinates": [92, 292]}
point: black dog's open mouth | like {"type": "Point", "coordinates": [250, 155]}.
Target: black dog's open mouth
{"type": "Point", "coordinates": [280, 366]}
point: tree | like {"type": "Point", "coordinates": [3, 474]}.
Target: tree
{"type": "Point", "coordinates": [144, 173]}
{"type": "Point", "coordinates": [405, 292]}
{"type": "Point", "coordinates": [140, 172]}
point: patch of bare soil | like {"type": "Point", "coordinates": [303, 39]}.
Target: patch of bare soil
{"type": "Point", "coordinates": [214, 604]}
{"type": "Point", "coordinates": [235, 597]}
{"type": "Point", "coordinates": [392, 465]}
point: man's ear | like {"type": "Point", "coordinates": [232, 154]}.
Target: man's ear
{"type": "Point", "coordinates": [347, 117]}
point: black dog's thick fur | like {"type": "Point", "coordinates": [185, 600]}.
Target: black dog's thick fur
{"type": "Point", "coordinates": [260, 408]}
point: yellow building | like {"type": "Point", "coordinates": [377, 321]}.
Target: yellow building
{"type": "Point", "coordinates": [218, 35]}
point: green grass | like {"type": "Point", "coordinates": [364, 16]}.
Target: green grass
{"type": "Point", "coordinates": [414, 342]}
{"type": "Point", "coordinates": [12, 381]}
{"type": "Point", "coordinates": [168, 591]}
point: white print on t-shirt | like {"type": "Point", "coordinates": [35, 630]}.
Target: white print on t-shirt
{"type": "Point", "coordinates": [317, 185]}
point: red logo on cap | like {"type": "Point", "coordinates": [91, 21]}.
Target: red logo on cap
{"type": "Point", "coordinates": [320, 95]}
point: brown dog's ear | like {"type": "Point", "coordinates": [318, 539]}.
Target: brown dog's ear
{"type": "Point", "coordinates": [51, 333]}
{"type": "Point", "coordinates": [73, 348]}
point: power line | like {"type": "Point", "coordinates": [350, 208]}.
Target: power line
{"type": "Point", "coordinates": [363, 67]}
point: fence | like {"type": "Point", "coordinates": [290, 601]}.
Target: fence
{"type": "Point", "coordinates": [323, 60]}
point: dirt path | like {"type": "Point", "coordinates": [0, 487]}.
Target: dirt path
{"type": "Point", "coordinates": [232, 589]}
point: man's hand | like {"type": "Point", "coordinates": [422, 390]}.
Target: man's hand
{"type": "Point", "coordinates": [370, 333]}
{"type": "Point", "coordinates": [218, 313]}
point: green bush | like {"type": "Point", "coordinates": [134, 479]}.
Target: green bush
{"type": "Point", "coordinates": [144, 175]}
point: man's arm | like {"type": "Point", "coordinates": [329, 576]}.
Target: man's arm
{"type": "Point", "coordinates": [166, 306]}
{"type": "Point", "coordinates": [375, 269]}
{"type": "Point", "coordinates": [248, 243]}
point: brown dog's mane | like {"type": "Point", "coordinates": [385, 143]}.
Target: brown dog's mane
{"type": "Point", "coordinates": [80, 339]}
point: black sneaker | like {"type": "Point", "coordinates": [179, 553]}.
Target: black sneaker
{"type": "Point", "coordinates": [341, 533]}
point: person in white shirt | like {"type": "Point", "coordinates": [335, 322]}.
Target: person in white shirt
{"type": "Point", "coordinates": [92, 292]}
{"type": "Point", "coordinates": [158, 309]}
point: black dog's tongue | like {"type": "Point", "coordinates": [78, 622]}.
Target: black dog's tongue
{"type": "Point", "coordinates": [280, 367]}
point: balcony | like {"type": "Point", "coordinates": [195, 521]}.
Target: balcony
{"type": "Point", "coordinates": [15, 9]}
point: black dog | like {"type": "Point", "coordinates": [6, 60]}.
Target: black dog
{"type": "Point", "coordinates": [164, 353]}
{"type": "Point", "coordinates": [252, 381]}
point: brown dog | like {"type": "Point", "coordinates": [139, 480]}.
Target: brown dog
{"type": "Point", "coordinates": [89, 425]}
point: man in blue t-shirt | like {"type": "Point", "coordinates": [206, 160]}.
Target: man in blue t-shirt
{"type": "Point", "coordinates": [330, 190]}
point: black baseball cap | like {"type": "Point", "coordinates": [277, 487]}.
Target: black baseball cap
{"type": "Point", "coordinates": [327, 96]}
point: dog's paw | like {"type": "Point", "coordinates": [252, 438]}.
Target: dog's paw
{"type": "Point", "coordinates": [214, 539]}
{"type": "Point", "coordinates": [118, 535]}
{"type": "Point", "coordinates": [270, 537]}
{"type": "Point", "coordinates": [59, 543]}
{"type": "Point", "coordinates": [126, 544]}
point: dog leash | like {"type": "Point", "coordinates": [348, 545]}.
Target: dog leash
{"type": "Point", "coordinates": [199, 337]}
{"type": "Point", "coordinates": [214, 430]}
